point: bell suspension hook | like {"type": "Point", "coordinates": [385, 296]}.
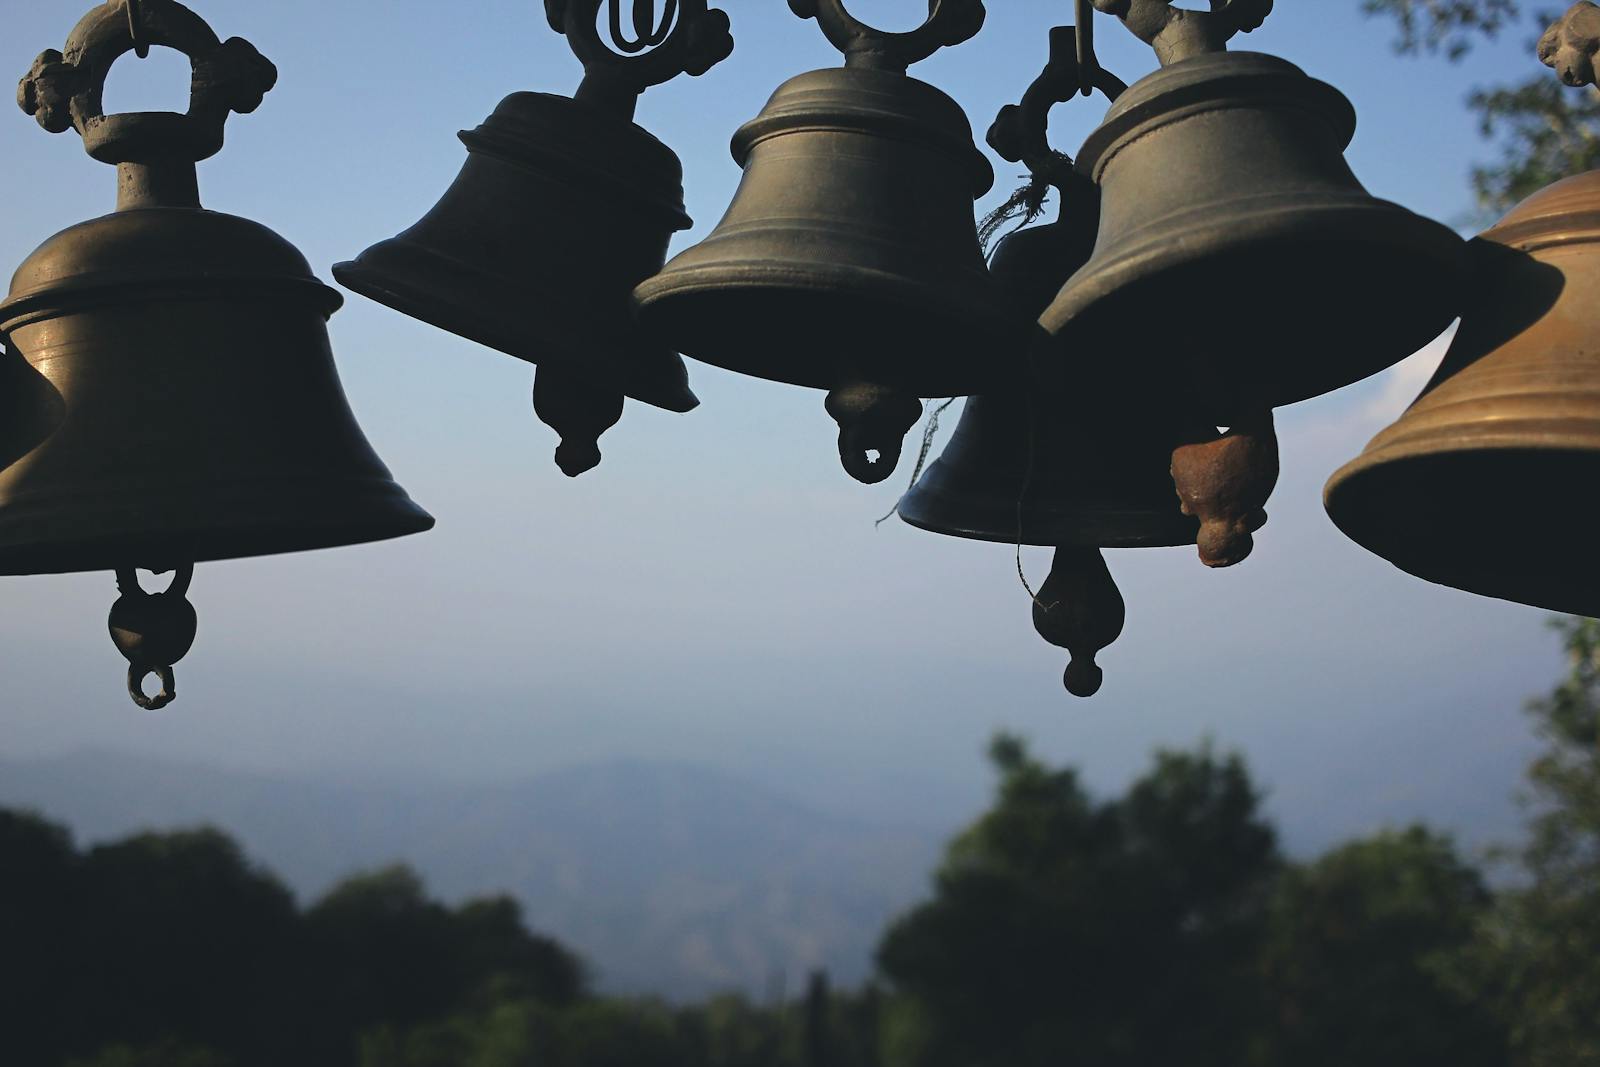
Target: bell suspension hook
{"type": "Point", "coordinates": [153, 631]}
{"type": "Point", "coordinates": [141, 46]}
{"type": "Point", "coordinates": [690, 38]}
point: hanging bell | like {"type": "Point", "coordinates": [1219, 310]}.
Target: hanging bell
{"type": "Point", "coordinates": [1235, 243]}
{"type": "Point", "coordinates": [1481, 484]}
{"type": "Point", "coordinates": [168, 394]}
{"type": "Point", "coordinates": [848, 259]}
{"type": "Point", "coordinates": [1084, 460]}
{"type": "Point", "coordinates": [563, 205]}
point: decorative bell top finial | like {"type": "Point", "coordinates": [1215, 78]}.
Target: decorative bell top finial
{"type": "Point", "coordinates": [154, 152]}
{"type": "Point", "coordinates": [689, 38]}
{"type": "Point", "coordinates": [1178, 33]}
{"type": "Point", "coordinates": [1020, 133]}
{"type": "Point", "coordinates": [949, 22]}
{"type": "Point", "coordinates": [1570, 44]}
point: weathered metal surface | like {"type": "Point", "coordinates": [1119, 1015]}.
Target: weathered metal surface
{"type": "Point", "coordinates": [848, 260]}
{"type": "Point", "coordinates": [1236, 248]}
{"type": "Point", "coordinates": [1483, 484]}
{"type": "Point", "coordinates": [1225, 483]}
{"type": "Point", "coordinates": [563, 205]}
{"type": "Point", "coordinates": [168, 394]}
{"type": "Point", "coordinates": [1177, 33]}
{"type": "Point", "coordinates": [1569, 45]}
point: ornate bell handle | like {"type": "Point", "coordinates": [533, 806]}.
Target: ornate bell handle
{"type": "Point", "coordinates": [949, 22]}
{"type": "Point", "coordinates": [688, 38]}
{"type": "Point", "coordinates": [156, 151]}
{"type": "Point", "coordinates": [1020, 131]}
{"type": "Point", "coordinates": [1178, 33]}
{"type": "Point", "coordinates": [1570, 44]}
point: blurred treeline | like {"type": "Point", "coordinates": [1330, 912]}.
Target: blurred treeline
{"type": "Point", "coordinates": [1163, 926]}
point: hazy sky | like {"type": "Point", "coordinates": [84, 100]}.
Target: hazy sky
{"type": "Point", "coordinates": [716, 591]}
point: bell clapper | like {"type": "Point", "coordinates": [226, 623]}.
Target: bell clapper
{"type": "Point", "coordinates": [579, 412]}
{"type": "Point", "coordinates": [873, 423]}
{"type": "Point", "coordinates": [1225, 483]}
{"type": "Point", "coordinates": [1080, 609]}
{"type": "Point", "coordinates": [153, 631]}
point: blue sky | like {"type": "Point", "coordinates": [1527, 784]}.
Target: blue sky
{"type": "Point", "coordinates": [716, 591]}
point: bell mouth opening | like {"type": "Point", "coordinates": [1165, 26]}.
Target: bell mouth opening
{"type": "Point", "coordinates": [824, 338]}
{"type": "Point", "coordinates": [1512, 522]}
{"type": "Point", "coordinates": [44, 534]}
{"type": "Point", "coordinates": [1270, 324]}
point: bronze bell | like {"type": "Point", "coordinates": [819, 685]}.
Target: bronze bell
{"type": "Point", "coordinates": [563, 205]}
{"type": "Point", "coordinates": [169, 395]}
{"type": "Point", "coordinates": [1085, 459]}
{"type": "Point", "coordinates": [1480, 485]}
{"type": "Point", "coordinates": [848, 259]}
{"type": "Point", "coordinates": [1235, 243]}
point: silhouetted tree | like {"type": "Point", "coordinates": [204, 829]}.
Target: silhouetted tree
{"type": "Point", "coordinates": [1363, 955]}
{"type": "Point", "coordinates": [42, 956]}
{"type": "Point", "coordinates": [1540, 956]}
{"type": "Point", "coordinates": [1065, 931]}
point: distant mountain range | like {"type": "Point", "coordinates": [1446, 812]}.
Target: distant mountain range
{"type": "Point", "coordinates": [668, 879]}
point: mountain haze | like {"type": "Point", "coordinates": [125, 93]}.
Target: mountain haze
{"type": "Point", "coordinates": [667, 878]}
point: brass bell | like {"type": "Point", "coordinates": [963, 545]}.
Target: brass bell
{"type": "Point", "coordinates": [563, 205]}
{"type": "Point", "coordinates": [1235, 243]}
{"type": "Point", "coordinates": [168, 394]}
{"type": "Point", "coordinates": [848, 259]}
{"type": "Point", "coordinates": [1085, 459]}
{"type": "Point", "coordinates": [1481, 484]}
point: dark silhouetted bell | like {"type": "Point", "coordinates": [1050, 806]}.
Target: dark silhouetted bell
{"type": "Point", "coordinates": [564, 205]}
{"type": "Point", "coordinates": [1235, 245]}
{"type": "Point", "coordinates": [849, 260]}
{"type": "Point", "coordinates": [168, 394]}
{"type": "Point", "coordinates": [1483, 483]}
{"type": "Point", "coordinates": [1085, 459]}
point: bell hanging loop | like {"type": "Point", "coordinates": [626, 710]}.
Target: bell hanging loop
{"type": "Point", "coordinates": [153, 631]}
{"type": "Point", "coordinates": [141, 47]}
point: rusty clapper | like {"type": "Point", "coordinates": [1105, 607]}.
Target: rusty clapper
{"type": "Point", "coordinates": [848, 260]}
{"type": "Point", "coordinates": [1483, 484]}
{"type": "Point", "coordinates": [169, 394]}
{"type": "Point", "coordinates": [563, 205]}
{"type": "Point", "coordinates": [1236, 249]}
{"type": "Point", "coordinates": [1080, 459]}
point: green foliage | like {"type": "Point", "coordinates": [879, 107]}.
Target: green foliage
{"type": "Point", "coordinates": [1540, 958]}
{"type": "Point", "coordinates": [1124, 931]}
{"type": "Point", "coordinates": [1448, 26]}
{"type": "Point", "coordinates": [1544, 130]}
{"type": "Point", "coordinates": [1365, 942]}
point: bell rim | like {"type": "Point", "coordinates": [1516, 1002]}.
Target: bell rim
{"type": "Point", "coordinates": [989, 323]}
{"type": "Point", "coordinates": [1352, 493]}
{"type": "Point", "coordinates": [367, 279]}
{"type": "Point", "coordinates": [1434, 251]}
{"type": "Point", "coordinates": [354, 511]}
{"type": "Point", "coordinates": [1162, 532]}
